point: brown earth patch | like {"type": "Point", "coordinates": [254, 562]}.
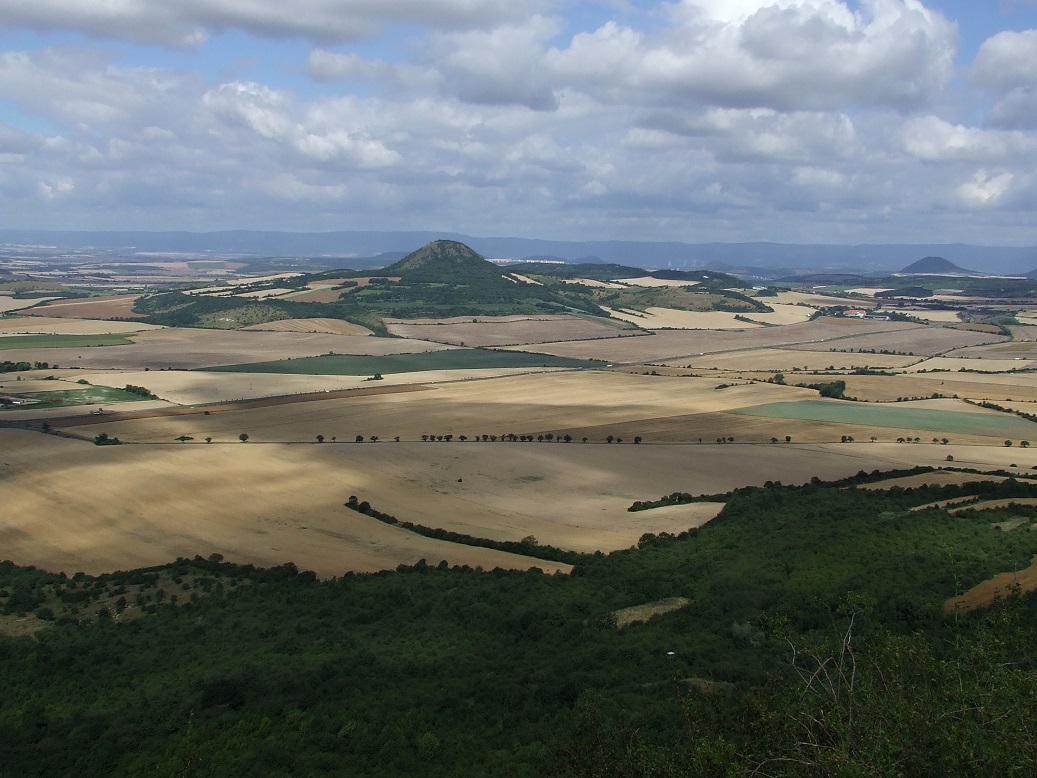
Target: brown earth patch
{"type": "Point", "coordinates": [507, 330]}
{"type": "Point", "coordinates": [117, 306]}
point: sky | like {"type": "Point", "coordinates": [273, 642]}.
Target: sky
{"type": "Point", "coordinates": [795, 121]}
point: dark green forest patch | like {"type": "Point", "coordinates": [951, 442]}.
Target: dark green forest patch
{"type": "Point", "coordinates": [448, 359]}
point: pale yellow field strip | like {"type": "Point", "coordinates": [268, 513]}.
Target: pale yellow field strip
{"type": "Point", "coordinates": [640, 613]}
{"type": "Point", "coordinates": [935, 478]}
{"type": "Point", "coordinates": [816, 300]}
{"type": "Point", "coordinates": [956, 364]}
{"type": "Point", "coordinates": [331, 326]}
{"type": "Point", "coordinates": [784, 360]}
{"type": "Point", "coordinates": [668, 318]}
{"type": "Point", "coordinates": [1002, 585]}
{"type": "Point", "coordinates": [195, 388]}
{"type": "Point", "coordinates": [938, 316]}
{"type": "Point", "coordinates": [1027, 332]}
{"type": "Point", "coordinates": [260, 294]}
{"type": "Point", "coordinates": [871, 291]}
{"type": "Point", "coordinates": [591, 282]}
{"type": "Point", "coordinates": [8, 303]}
{"type": "Point", "coordinates": [40, 325]}
{"type": "Point", "coordinates": [654, 283]}
{"type": "Point", "coordinates": [945, 503]}
{"type": "Point", "coordinates": [987, 505]}
{"type": "Point", "coordinates": [526, 279]}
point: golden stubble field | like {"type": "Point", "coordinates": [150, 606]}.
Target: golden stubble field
{"type": "Point", "coordinates": [188, 349]}
{"type": "Point", "coordinates": [73, 506]}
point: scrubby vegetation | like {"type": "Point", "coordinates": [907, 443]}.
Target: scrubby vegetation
{"type": "Point", "coordinates": [815, 643]}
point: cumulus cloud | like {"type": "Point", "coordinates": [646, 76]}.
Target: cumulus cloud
{"type": "Point", "coordinates": [798, 120]}
{"type": "Point", "coordinates": [190, 22]}
{"type": "Point", "coordinates": [787, 55]}
{"type": "Point", "coordinates": [1005, 68]}
{"type": "Point", "coordinates": [935, 140]}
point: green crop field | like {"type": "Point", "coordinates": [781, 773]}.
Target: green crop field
{"type": "Point", "coordinates": [901, 416]}
{"type": "Point", "coordinates": [61, 341]}
{"type": "Point", "coordinates": [92, 395]}
{"type": "Point", "coordinates": [452, 359]}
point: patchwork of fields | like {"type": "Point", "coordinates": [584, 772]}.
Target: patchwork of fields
{"type": "Point", "coordinates": [552, 434]}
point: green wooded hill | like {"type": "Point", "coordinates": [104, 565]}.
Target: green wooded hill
{"type": "Point", "coordinates": [445, 262]}
{"type": "Point", "coordinates": [814, 644]}
{"type": "Point", "coordinates": [440, 280]}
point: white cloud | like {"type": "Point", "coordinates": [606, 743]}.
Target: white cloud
{"type": "Point", "coordinates": [795, 54]}
{"type": "Point", "coordinates": [190, 22]}
{"type": "Point", "coordinates": [985, 188]}
{"type": "Point", "coordinates": [1007, 61]}
{"type": "Point", "coordinates": [935, 140]}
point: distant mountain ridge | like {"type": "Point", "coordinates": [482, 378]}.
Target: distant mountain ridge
{"type": "Point", "coordinates": [343, 245]}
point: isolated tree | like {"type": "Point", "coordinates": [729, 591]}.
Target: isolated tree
{"type": "Point", "coordinates": [549, 437]}
{"type": "Point", "coordinates": [945, 441]}
{"type": "Point", "coordinates": [619, 440]}
{"type": "Point", "coordinates": [374, 438]}
{"type": "Point", "coordinates": [243, 437]}
{"type": "Point", "coordinates": [208, 440]}
{"type": "Point", "coordinates": [320, 438]}
{"type": "Point", "coordinates": [397, 438]}
{"type": "Point", "coordinates": [774, 440]}
{"type": "Point", "coordinates": [1008, 443]}
{"type": "Point", "coordinates": [461, 438]}
{"type": "Point", "coordinates": [585, 440]}
{"type": "Point", "coordinates": [568, 438]}
{"type": "Point", "coordinates": [1024, 443]}
{"type": "Point", "coordinates": [424, 437]}
{"type": "Point", "coordinates": [609, 439]}
{"type": "Point", "coordinates": [359, 438]}
{"type": "Point", "coordinates": [788, 438]}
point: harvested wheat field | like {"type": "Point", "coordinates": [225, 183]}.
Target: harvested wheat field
{"type": "Point", "coordinates": [785, 360]}
{"type": "Point", "coordinates": [519, 404]}
{"type": "Point", "coordinates": [678, 344]}
{"type": "Point", "coordinates": [653, 318]}
{"type": "Point", "coordinates": [889, 388]}
{"type": "Point", "coordinates": [116, 306]}
{"type": "Point", "coordinates": [188, 387]}
{"type": "Point", "coordinates": [54, 326]}
{"type": "Point", "coordinates": [963, 367]}
{"type": "Point", "coordinates": [817, 300]}
{"type": "Point", "coordinates": [188, 349]}
{"type": "Point", "coordinates": [71, 506]}
{"type": "Point", "coordinates": [329, 326]}
{"type": "Point", "coordinates": [1025, 350]}
{"type": "Point", "coordinates": [9, 303]}
{"type": "Point", "coordinates": [506, 330]}
{"type": "Point", "coordinates": [913, 339]}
